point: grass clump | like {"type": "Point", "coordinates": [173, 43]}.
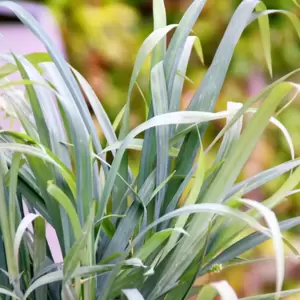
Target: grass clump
{"type": "Point", "coordinates": [123, 236]}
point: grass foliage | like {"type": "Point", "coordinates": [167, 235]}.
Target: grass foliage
{"type": "Point", "coordinates": [127, 237]}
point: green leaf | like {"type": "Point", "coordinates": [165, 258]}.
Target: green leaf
{"type": "Point", "coordinates": [76, 254]}
{"type": "Point", "coordinates": [13, 182]}
{"type": "Point", "coordinates": [44, 155]}
{"type": "Point", "coordinates": [36, 107]}
{"type": "Point", "coordinates": [42, 172]}
{"type": "Point", "coordinates": [127, 225]}
{"type": "Point", "coordinates": [22, 228]}
{"type": "Point", "coordinates": [5, 225]}
{"type": "Point", "coordinates": [264, 27]}
{"type": "Point", "coordinates": [118, 118]}
{"type": "Point", "coordinates": [245, 244]}
{"type": "Point", "coordinates": [207, 94]}
{"type": "Point", "coordinates": [261, 178]}
{"type": "Point", "coordinates": [98, 109]}
{"type": "Point", "coordinates": [207, 292]}
{"type": "Point", "coordinates": [191, 199]}
{"type": "Point", "coordinates": [67, 204]}
{"type": "Point", "coordinates": [296, 3]}
{"type": "Point", "coordinates": [22, 110]}
{"type": "Point", "coordinates": [159, 187]}
{"type": "Point", "coordinates": [232, 135]}
{"type": "Point", "coordinates": [176, 93]}
{"type": "Point", "coordinates": [160, 106]}
{"type": "Point", "coordinates": [224, 289]}
{"type": "Point", "coordinates": [284, 131]}
{"type": "Point", "coordinates": [24, 82]}
{"type": "Point", "coordinates": [3, 264]}
{"type": "Point", "coordinates": [58, 276]}
{"type": "Point", "coordinates": [228, 141]}
{"type": "Point", "coordinates": [272, 222]}
{"type": "Point", "coordinates": [146, 48]}
{"type": "Point", "coordinates": [271, 202]}
{"type": "Point", "coordinates": [249, 103]}
{"type": "Point", "coordinates": [86, 187]}
{"type": "Point", "coordinates": [137, 144]}
{"type": "Point", "coordinates": [160, 21]}
{"type": "Point", "coordinates": [44, 280]}
{"type": "Point", "coordinates": [133, 294]}
{"type": "Point", "coordinates": [6, 292]}
{"type": "Point", "coordinates": [284, 190]}
{"type": "Point", "coordinates": [155, 241]}
{"type": "Point", "coordinates": [144, 99]}
{"type": "Point", "coordinates": [291, 16]}
{"type": "Point", "coordinates": [291, 247]}
{"type": "Point", "coordinates": [175, 48]}
{"type": "Point", "coordinates": [39, 251]}
{"type": "Point", "coordinates": [34, 58]}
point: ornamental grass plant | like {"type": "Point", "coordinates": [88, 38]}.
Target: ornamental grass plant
{"type": "Point", "coordinates": [151, 235]}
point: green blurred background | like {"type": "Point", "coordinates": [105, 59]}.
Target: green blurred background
{"type": "Point", "coordinates": [102, 38]}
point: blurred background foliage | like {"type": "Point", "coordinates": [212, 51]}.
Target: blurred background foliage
{"type": "Point", "coordinates": [102, 38]}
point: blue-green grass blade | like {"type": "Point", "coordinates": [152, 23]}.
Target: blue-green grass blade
{"type": "Point", "coordinates": [160, 106]}
{"type": "Point", "coordinates": [178, 40]}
